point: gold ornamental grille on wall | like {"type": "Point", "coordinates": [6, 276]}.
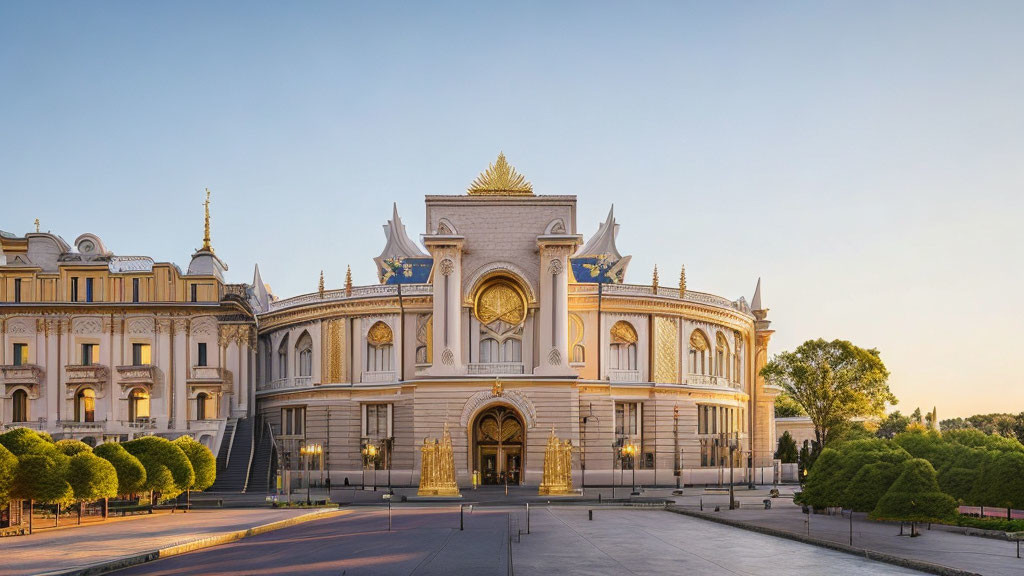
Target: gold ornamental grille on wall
{"type": "Point", "coordinates": [501, 300]}
{"type": "Point", "coordinates": [623, 333]}
{"type": "Point", "coordinates": [379, 335]}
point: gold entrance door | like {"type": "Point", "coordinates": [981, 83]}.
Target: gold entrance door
{"type": "Point", "coordinates": [499, 438]}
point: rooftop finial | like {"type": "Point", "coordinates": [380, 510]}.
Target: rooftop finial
{"type": "Point", "coordinates": [206, 224]}
{"type": "Point", "coordinates": [682, 281]}
{"type": "Point", "coordinates": [320, 288]}
{"type": "Point", "coordinates": [654, 279]}
{"type": "Point", "coordinates": [500, 179]}
{"type": "Point", "coordinates": [37, 225]}
{"type": "Point", "coordinates": [348, 281]}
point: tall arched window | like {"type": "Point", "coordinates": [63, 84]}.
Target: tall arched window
{"type": "Point", "coordinates": [204, 406]}
{"type": "Point", "coordinates": [721, 356]}
{"type": "Point", "coordinates": [577, 350]}
{"type": "Point", "coordinates": [623, 347]}
{"type": "Point", "coordinates": [20, 406]}
{"type": "Point", "coordinates": [698, 353]}
{"type": "Point", "coordinates": [85, 405]}
{"type": "Point", "coordinates": [379, 345]}
{"type": "Point", "coordinates": [304, 349]}
{"type": "Point", "coordinates": [138, 405]}
{"type": "Point", "coordinates": [282, 358]}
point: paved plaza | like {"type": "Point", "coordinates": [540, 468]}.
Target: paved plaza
{"type": "Point", "coordinates": [427, 541]}
{"type": "Point", "coordinates": [74, 547]}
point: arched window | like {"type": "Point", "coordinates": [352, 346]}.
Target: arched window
{"type": "Point", "coordinates": [578, 351]}
{"type": "Point", "coordinates": [138, 405]}
{"type": "Point", "coordinates": [204, 406]}
{"type": "Point", "coordinates": [623, 347]}
{"type": "Point", "coordinates": [721, 356]}
{"type": "Point", "coordinates": [304, 347]}
{"type": "Point", "coordinates": [512, 350]}
{"type": "Point", "coordinates": [379, 344]}
{"type": "Point", "coordinates": [698, 353]}
{"type": "Point", "coordinates": [85, 405]}
{"type": "Point", "coordinates": [489, 351]}
{"type": "Point", "coordinates": [20, 406]}
{"type": "Point", "coordinates": [282, 358]}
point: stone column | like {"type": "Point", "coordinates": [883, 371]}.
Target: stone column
{"type": "Point", "coordinates": [178, 416]}
{"type": "Point", "coordinates": [553, 332]}
{"type": "Point", "coordinates": [762, 398]}
{"type": "Point", "coordinates": [447, 350]}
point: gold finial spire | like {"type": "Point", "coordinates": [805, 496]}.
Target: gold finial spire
{"type": "Point", "coordinates": [682, 281]}
{"type": "Point", "coordinates": [206, 224]}
{"type": "Point", "coordinates": [348, 281]}
{"type": "Point", "coordinates": [321, 286]}
{"type": "Point", "coordinates": [37, 225]}
{"type": "Point", "coordinates": [500, 179]}
{"type": "Point", "coordinates": [654, 278]}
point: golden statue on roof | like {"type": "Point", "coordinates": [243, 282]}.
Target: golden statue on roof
{"type": "Point", "coordinates": [500, 179]}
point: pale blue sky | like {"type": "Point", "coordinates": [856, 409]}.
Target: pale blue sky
{"type": "Point", "coordinates": [865, 158]}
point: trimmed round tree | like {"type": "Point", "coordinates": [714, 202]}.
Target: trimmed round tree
{"type": "Point", "coordinates": [42, 478]}
{"type": "Point", "coordinates": [72, 447]}
{"type": "Point", "coordinates": [203, 462]}
{"type": "Point", "coordinates": [8, 467]}
{"type": "Point", "coordinates": [168, 470]}
{"type": "Point", "coordinates": [820, 489]}
{"type": "Point", "coordinates": [915, 497]}
{"type": "Point", "coordinates": [91, 477]}
{"type": "Point", "coordinates": [24, 440]}
{"type": "Point", "coordinates": [1001, 482]}
{"type": "Point", "coordinates": [869, 485]}
{"type": "Point", "coordinates": [131, 474]}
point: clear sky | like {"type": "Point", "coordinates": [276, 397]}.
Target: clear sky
{"type": "Point", "coordinates": [865, 158]}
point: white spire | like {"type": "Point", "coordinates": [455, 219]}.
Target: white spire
{"type": "Point", "coordinates": [399, 245]}
{"type": "Point", "coordinates": [603, 242]}
{"type": "Point", "coordinates": [260, 296]}
{"type": "Point", "coordinates": [755, 304]}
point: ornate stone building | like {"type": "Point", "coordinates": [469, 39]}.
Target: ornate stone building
{"type": "Point", "coordinates": [102, 347]}
{"type": "Point", "coordinates": [503, 325]}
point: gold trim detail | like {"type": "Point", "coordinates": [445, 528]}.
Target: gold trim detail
{"type": "Point", "coordinates": [698, 341]}
{"type": "Point", "coordinates": [500, 299]}
{"type": "Point", "coordinates": [666, 350]}
{"type": "Point", "coordinates": [623, 333]}
{"type": "Point", "coordinates": [500, 179]}
{"type": "Point", "coordinates": [379, 335]}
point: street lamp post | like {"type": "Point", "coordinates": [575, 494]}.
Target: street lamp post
{"type": "Point", "coordinates": [370, 453]}
{"type": "Point", "coordinates": [630, 449]}
{"type": "Point", "coordinates": [305, 451]}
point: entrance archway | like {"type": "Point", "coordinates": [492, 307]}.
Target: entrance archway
{"type": "Point", "coordinates": [499, 445]}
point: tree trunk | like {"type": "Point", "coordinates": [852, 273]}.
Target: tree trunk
{"type": "Point", "coordinates": [56, 517]}
{"type": "Point", "coordinates": [79, 513]}
{"type": "Point", "coordinates": [31, 512]}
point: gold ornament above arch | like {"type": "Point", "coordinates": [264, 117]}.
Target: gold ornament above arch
{"type": "Point", "coordinates": [500, 299]}
{"type": "Point", "coordinates": [623, 333]}
{"type": "Point", "coordinates": [379, 335]}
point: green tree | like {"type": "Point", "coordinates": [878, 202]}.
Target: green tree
{"type": "Point", "coordinates": [820, 487]}
{"type": "Point", "coordinates": [24, 440]}
{"type": "Point", "coordinates": [168, 470]}
{"type": "Point", "coordinates": [1001, 481]}
{"type": "Point", "coordinates": [72, 447]}
{"type": "Point", "coordinates": [895, 423]}
{"type": "Point", "coordinates": [131, 474]}
{"type": "Point", "coordinates": [832, 382]}
{"type": "Point", "coordinates": [915, 497]}
{"type": "Point", "coordinates": [787, 451]}
{"type": "Point", "coordinates": [8, 467]}
{"type": "Point", "coordinates": [91, 477]}
{"type": "Point", "coordinates": [203, 462]}
{"type": "Point", "coordinates": [868, 486]}
{"type": "Point", "coordinates": [786, 407]}
{"type": "Point", "coordinates": [43, 479]}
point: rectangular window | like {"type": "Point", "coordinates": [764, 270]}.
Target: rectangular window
{"type": "Point", "coordinates": [17, 289]}
{"type": "Point", "coordinates": [74, 289]}
{"type": "Point", "coordinates": [141, 355]}
{"type": "Point", "coordinates": [293, 421]}
{"type": "Point", "coordinates": [20, 354]}
{"type": "Point", "coordinates": [718, 425]}
{"type": "Point", "coordinates": [201, 361]}
{"type": "Point", "coordinates": [376, 422]}
{"type": "Point", "coordinates": [90, 354]}
{"type": "Point", "coordinates": [135, 289]}
{"type": "Point", "coordinates": [88, 289]}
{"type": "Point", "coordinates": [627, 417]}
{"type": "Point", "coordinates": [194, 289]}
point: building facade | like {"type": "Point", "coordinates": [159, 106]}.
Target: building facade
{"type": "Point", "coordinates": [503, 326]}
{"type": "Point", "coordinates": [100, 347]}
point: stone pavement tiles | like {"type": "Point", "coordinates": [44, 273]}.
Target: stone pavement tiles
{"type": "Point", "coordinates": [69, 548]}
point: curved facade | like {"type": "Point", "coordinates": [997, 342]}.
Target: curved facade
{"type": "Point", "coordinates": [506, 325]}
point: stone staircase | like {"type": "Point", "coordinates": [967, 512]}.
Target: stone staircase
{"type": "Point", "coordinates": [234, 457]}
{"type": "Point", "coordinates": [264, 460]}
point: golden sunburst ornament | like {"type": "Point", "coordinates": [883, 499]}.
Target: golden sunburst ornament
{"type": "Point", "coordinates": [500, 179]}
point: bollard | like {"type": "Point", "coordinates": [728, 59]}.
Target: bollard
{"type": "Point", "coordinates": [598, 497]}
{"type": "Point", "coordinates": [701, 503]}
{"type": "Point", "coordinates": [591, 514]}
{"type": "Point", "coordinates": [461, 508]}
{"type": "Point", "coordinates": [527, 517]}
{"type": "Point", "coordinates": [389, 515]}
